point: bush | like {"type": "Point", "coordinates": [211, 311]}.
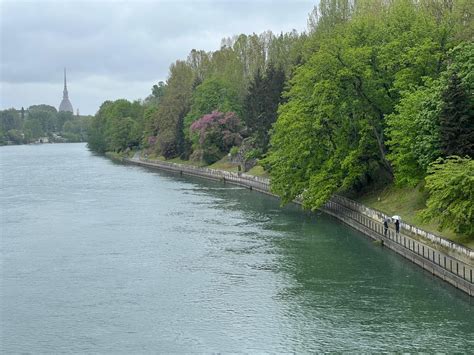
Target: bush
{"type": "Point", "coordinates": [234, 151]}
{"type": "Point", "coordinates": [450, 183]}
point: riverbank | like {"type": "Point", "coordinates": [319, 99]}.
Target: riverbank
{"type": "Point", "coordinates": [408, 202]}
{"type": "Point", "coordinates": [447, 260]}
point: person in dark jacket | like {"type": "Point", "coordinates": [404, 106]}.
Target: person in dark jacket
{"type": "Point", "coordinates": [397, 226]}
{"type": "Point", "coordinates": [385, 226]}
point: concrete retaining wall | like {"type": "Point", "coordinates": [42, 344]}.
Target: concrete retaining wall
{"type": "Point", "coordinates": [458, 271]}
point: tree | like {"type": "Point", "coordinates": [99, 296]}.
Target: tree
{"type": "Point", "coordinates": [433, 119]}
{"type": "Point", "coordinates": [76, 130]}
{"type": "Point", "coordinates": [457, 119]}
{"type": "Point", "coordinates": [33, 129]}
{"type": "Point", "coordinates": [9, 119]}
{"type": "Point", "coordinates": [62, 117]}
{"type": "Point", "coordinates": [217, 133]}
{"type": "Point", "coordinates": [261, 104]}
{"type": "Point", "coordinates": [157, 93]}
{"type": "Point", "coordinates": [450, 183]}
{"type": "Point", "coordinates": [46, 115]}
{"type": "Point", "coordinates": [116, 126]}
{"type": "Point", "coordinates": [213, 94]}
{"type": "Point", "coordinates": [175, 104]}
{"type": "Point", "coordinates": [122, 133]}
{"type": "Point", "coordinates": [413, 133]}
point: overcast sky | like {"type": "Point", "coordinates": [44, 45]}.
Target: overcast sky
{"type": "Point", "coordinates": [119, 49]}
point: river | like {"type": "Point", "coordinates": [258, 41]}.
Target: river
{"type": "Point", "coordinates": [108, 258]}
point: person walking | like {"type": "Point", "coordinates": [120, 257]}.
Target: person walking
{"type": "Point", "coordinates": [385, 226]}
{"type": "Point", "coordinates": [397, 226]}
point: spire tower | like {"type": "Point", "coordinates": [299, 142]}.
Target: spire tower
{"type": "Point", "coordinates": [65, 104]}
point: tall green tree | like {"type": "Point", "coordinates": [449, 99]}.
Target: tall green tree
{"type": "Point", "coordinates": [261, 104]}
{"type": "Point", "coordinates": [433, 119]}
{"type": "Point", "coordinates": [211, 95]}
{"type": "Point", "coordinates": [175, 104]}
{"type": "Point", "coordinates": [10, 119]}
{"type": "Point", "coordinates": [116, 126]}
{"type": "Point", "coordinates": [46, 115]}
{"type": "Point", "coordinates": [457, 119]}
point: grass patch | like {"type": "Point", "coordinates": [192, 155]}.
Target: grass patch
{"type": "Point", "coordinates": [257, 170]}
{"type": "Point", "coordinates": [407, 203]}
{"type": "Point", "coordinates": [184, 162]}
{"type": "Point", "coordinates": [225, 164]}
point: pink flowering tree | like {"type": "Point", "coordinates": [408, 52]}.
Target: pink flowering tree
{"type": "Point", "coordinates": [215, 133]}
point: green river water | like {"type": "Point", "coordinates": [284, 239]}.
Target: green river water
{"type": "Point", "coordinates": [107, 258]}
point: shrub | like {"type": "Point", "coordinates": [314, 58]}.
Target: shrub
{"type": "Point", "coordinates": [450, 183]}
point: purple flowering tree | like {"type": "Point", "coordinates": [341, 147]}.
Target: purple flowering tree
{"type": "Point", "coordinates": [215, 133]}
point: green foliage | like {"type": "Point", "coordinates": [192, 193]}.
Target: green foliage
{"type": "Point", "coordinates": [157, 93]}
{"type": "Point", "coordinates": [168, 119]}
{"type": "Point", "coordinates": [457, 118]}
{"type": "Point", "coordinates": [253, 154]}
{"type": "Point", "coordinates": [433, 119]}
{"type": "Point", "coordinates": [33, 129]}
{"type": "Point", "coordinates": [450, 183]}
{"type": "Point", "coordinates": [116, 126]}
{"type": "Point", "coordinates": [45, 115]}
{"type": "Point", "coordinates": [121, 133]}
{"type": "Point", "coordinates": [21, 127]}
{"type": "Point", "coordinates": [212, 95]}
{"type": "Point", "coordinates": [16, 136]}
{"type": "Point", "coordinates": [76, 130]}
{"type": "Point", "coordinates": [414, 134]}
{"type": "Point", "coordinates": [61, 118]}
{"type": "Point", "coordinates": [261, 104]}
{"type": "Point", "coordinates": [234, 151]}
{"type": "Point", "coordinates": [360, 59]}
{"type": "Point", "coordinates": [10, 119]}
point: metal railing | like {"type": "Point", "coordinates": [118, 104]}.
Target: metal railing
{"type": "Point", "coordinates": [255, 182]}
{"type": "Point", "coordinates": [406, 227]}
{"type": "Point", "coordinates": [446, 262]}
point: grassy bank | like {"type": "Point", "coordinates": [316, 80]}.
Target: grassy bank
{"type": "Point", "coordinates": [408, 203]}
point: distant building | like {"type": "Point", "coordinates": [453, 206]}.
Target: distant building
{"type": "Point", "coordinates": [65, 104]}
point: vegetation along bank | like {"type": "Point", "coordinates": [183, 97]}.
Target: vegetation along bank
{"type": "Point", "coordinates": [375, 96]}
{"type": "Point", "coordinates": [41, 124]}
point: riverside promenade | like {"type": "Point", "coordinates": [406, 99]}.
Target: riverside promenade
{"type": "Point", "coordinates": [442, 258]}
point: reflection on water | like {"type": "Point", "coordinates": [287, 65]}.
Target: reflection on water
{"type": "Point", "coordinates": [101, 257]}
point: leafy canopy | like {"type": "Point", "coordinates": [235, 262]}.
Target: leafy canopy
{"type": "Point", "coordinates": [450, 183]}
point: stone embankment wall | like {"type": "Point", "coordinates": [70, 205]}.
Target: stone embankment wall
{"type": "Point", "coordinates": [447, 260]}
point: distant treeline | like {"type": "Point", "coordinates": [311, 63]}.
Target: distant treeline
{"type": "Point", "coordinates": [375, 91]}
{"type": "Point", "coordinates": [39, 122]}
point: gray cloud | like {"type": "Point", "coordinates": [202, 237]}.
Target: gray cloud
{"type": "Point", "coordinates": [118, 49]}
